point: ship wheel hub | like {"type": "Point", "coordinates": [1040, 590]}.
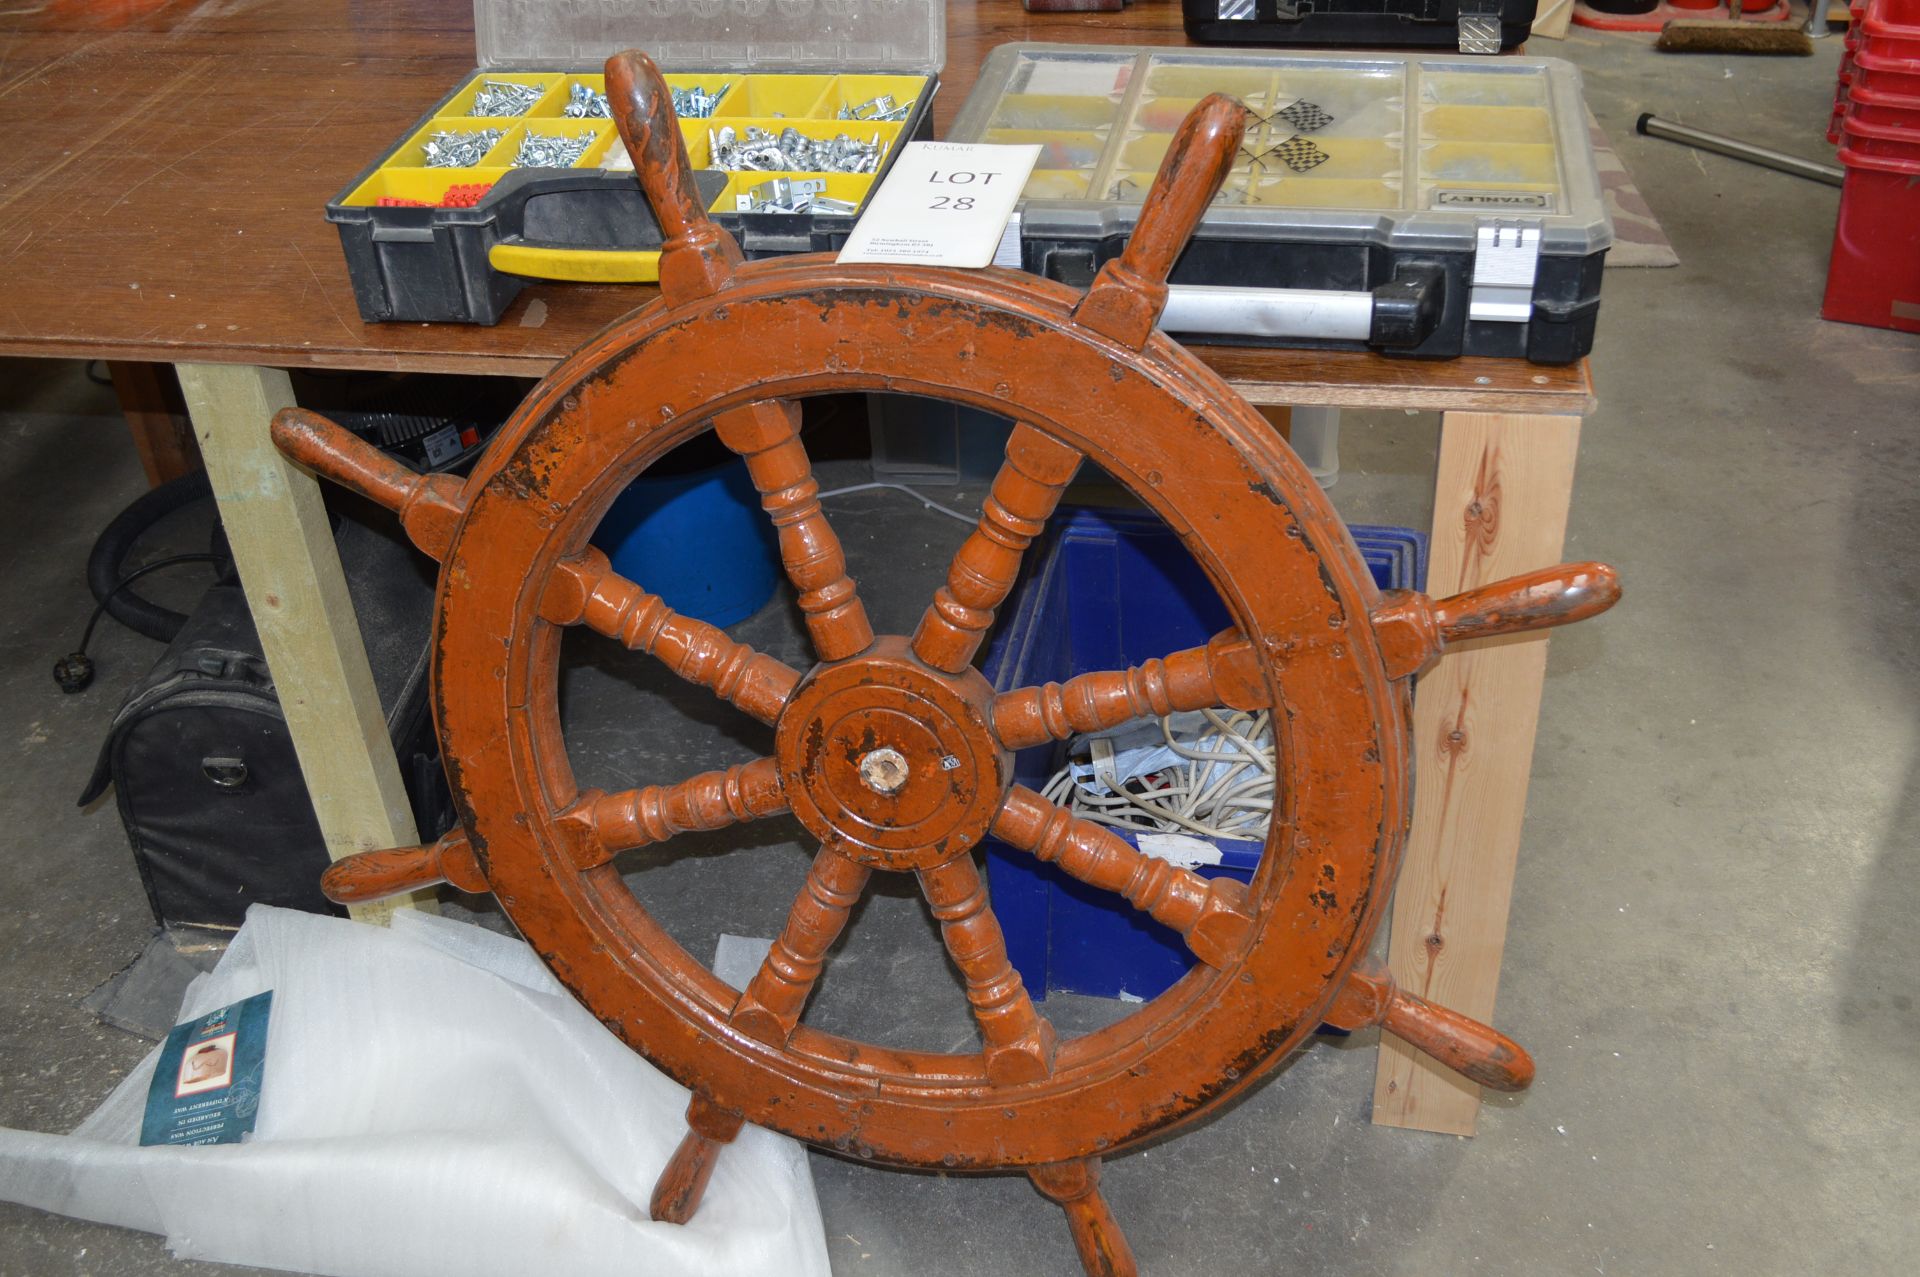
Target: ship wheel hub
{"type": "Point", "coordinates": [884, 771]}
{"type": "Point", "coordinates": [892, 762]}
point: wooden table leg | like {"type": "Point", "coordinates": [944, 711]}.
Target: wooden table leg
{"type": "Point", "coordinates": [291, 571]}
{"type": "Point", "coordinates": [1500, 507]}
{"type": "Point", "coordinates": [150, 403]}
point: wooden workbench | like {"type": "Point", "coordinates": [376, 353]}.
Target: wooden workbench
{"type": "Point", "coordinates": [161, 200]}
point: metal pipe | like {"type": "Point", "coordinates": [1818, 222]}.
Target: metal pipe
{"type": "Point", "coordinates": [1764, 156]}
{"type": "Point", "coordinates": [1817, 27]}
{"type": "Point", "coordinates": [1268, 312]}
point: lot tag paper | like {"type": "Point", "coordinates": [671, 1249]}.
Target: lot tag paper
{"type": "Point", "coordinates": [942, 204]}
{"type": "Point", "coordinates": [206, 1087]}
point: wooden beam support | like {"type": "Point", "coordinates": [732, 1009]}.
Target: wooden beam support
{"type": "Point", "coordinates": [150, 401]}
{"type": "Point", "coordinates": [1500, 508]}
{"type": "Point", "coordinates": [291, 572]}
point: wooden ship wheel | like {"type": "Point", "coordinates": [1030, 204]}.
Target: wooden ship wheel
{"type": "Point", "coordinates": [893, 750]}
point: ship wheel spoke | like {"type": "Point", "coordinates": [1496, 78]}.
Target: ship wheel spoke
{"type": "Point", "coordinates": [366, 876]}
{"type": "Point", "coordinates": [1212, 915]}
{"type": "Point", "coordinates": [1019, 1040]}
{"type": "Point", "coordinates": [1075, 1186]}
{"type": "Point", "coordinates": [1022, 499]}
{"type": "Point", "coordinates": [599, 826]}
{"type": "Point", "coordinates": [767, 435]}
{"type": "Point", "coordinates": [1225, 671]}
{"type": "Point", "coordinates": [1414, 629]}
{"type": "Point", "coordinates": [585, 590]}
{"type": "Point", "coordinates": [429, 505]}
{"type": "Point", "coordinates": [1126, 297]}
{"type": "Point", "coordinates": [770, 1006]}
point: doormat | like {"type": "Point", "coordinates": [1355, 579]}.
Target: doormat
{"type": "Point", "coordinates": [1638, 239]}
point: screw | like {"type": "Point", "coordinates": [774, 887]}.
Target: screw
{"type": "Point", "coordinates": [584, 104]}
{"type": "Point", "coordinates": [552, 150]}
{"type": "Point", "coordinates": [792, 152]}
{"type": "Point", "coordinates": [460, 150]}
{"type": "Point", "coordinates": [698, 102]}
{"type": "Point", "coordinates": [503, 97]}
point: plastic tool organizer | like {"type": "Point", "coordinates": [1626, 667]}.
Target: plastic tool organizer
{"type": "Point", "coordinates": [426, 242]}
{"type": "Point", "coordinates": [1420, 206]}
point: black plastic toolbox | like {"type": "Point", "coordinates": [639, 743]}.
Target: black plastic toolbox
{"type": "Point", "coordinates": [417, 249]}
{"type": "Point", "coordinates": [1419, 206]}
{"type": "Point", "coordinates": [1467, 26]}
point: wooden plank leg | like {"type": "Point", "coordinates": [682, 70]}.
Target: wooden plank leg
{"type": "Point", "coordinates": [1500, 507]}
{"type": "Point", "coordinates": [1279, 416]}
{"type": "Point", "coordinates": [150, 404]}
{"type": "Point", "coordinates": [291, 571]}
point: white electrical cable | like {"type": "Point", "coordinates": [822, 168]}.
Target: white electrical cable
{"type": "Point", "coordinates": [1223, 786]}
{"type": "Point", "coordinates": [921, 497]}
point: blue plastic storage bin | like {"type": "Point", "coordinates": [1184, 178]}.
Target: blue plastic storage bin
{"type": "Point", "coordinates": [1109, 589]}
{"type": "Point", "coordinates": [698, 540]}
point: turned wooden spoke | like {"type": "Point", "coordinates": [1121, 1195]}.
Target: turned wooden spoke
{"type": "Point", "coordinates": [1414, 629]}
{"type": "Point", "coordinates": [1212, 915]}
{"type": "Point", "coordinates": [429, 505]}
{"type": "Point", "coordinates": [768, 436]}
{"type": "Point", "coordinates": [1019, 1041]}
{"type": "Point", "coordinates": [1224, 672]}
{"type": "Point", "coordinates": [1075, 1186]}
{"type": "Point", "coordinates": [601, 825]}
{"type": "Point", "coordinates": [374, 875]}
{"type": "Point", "coordinates": [697, 257]}
{"type": "Point", "coordinates": [771, 1004]}
{"type": "Point", "coordinates": [1478, 1052]}
{"type": "Point", "coordinates": [1130, 291]}
{"type": "Point", "coordinates": [587, 591]}
{"type": "Point", "coordinates": [1024, 494]}
{"type": "Point", "coordinates": [710, 1128]}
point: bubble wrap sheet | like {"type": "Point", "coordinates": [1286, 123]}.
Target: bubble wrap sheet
{"type": "Point", "coordinates": [435, 1103]}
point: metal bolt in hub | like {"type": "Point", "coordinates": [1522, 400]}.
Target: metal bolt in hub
{"type": "Point", "coordinates": [883, 771]}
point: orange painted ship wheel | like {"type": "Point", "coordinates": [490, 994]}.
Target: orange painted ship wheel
{"type": "Point", "coordinates": [893, 751]}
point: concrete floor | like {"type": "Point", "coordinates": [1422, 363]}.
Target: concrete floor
{"type": "Point", "coordinates": [1712, 943]}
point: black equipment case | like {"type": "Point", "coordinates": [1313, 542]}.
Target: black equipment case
{"type": "Point", "coordinates": [203, 766]}
{"type": "Point", "coordinates": [1467, 26]}
{"type": "Point", "coordinates": [1420, 205]}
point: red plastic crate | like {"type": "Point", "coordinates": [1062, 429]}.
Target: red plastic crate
{"type": "Point", "coordinates": [1890, 29]}
{"type": "Point", "coordinates": [1875, 109]}
{"type": "Point", "coordinates": [1889, 141]}
{"type": "Point", "coordinates": [1887, 75]}
{"type": "Point", "coordinates": [1873, 276]}
{"type": "Point", "coordinates": [1892, 19]}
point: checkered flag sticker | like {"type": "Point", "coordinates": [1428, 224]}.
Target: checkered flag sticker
{"type": "Point", "coordinates": [1299, 154]}
{"type": "Point", "coordinates": [1305, 116]}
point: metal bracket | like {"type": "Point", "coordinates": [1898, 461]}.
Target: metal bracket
{"type": "Point", "coordinates": [1506, 257]}
{"type": "Point", "coordinates": [1479, 26]}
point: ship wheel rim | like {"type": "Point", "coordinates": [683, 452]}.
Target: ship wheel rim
{"type": "Point", "coordinates": [1167, 1060]}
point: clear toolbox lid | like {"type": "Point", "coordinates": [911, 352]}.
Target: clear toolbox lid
{"type": "Point", "coordinates": [700, 35]}
{"type": "Point", "coordinates": [1410, 149]}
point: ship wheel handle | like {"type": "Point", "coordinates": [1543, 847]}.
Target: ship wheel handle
{"type": "Point", "coordinates": [1130, 291]}
{"type": "Point", "coordinates": [697, 256]}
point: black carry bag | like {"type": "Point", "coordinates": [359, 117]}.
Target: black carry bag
{"type": "Point", "coordinates": [204, 768]}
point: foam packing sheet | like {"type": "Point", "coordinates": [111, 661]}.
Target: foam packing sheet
{"type": "Point", "coordinates": [434, 1103]}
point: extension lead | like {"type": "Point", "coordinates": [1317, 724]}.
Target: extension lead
{"type": "Point", "coordinates": [1224, 787]}
{"type": "Point", "coordinates": [74, 671]}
